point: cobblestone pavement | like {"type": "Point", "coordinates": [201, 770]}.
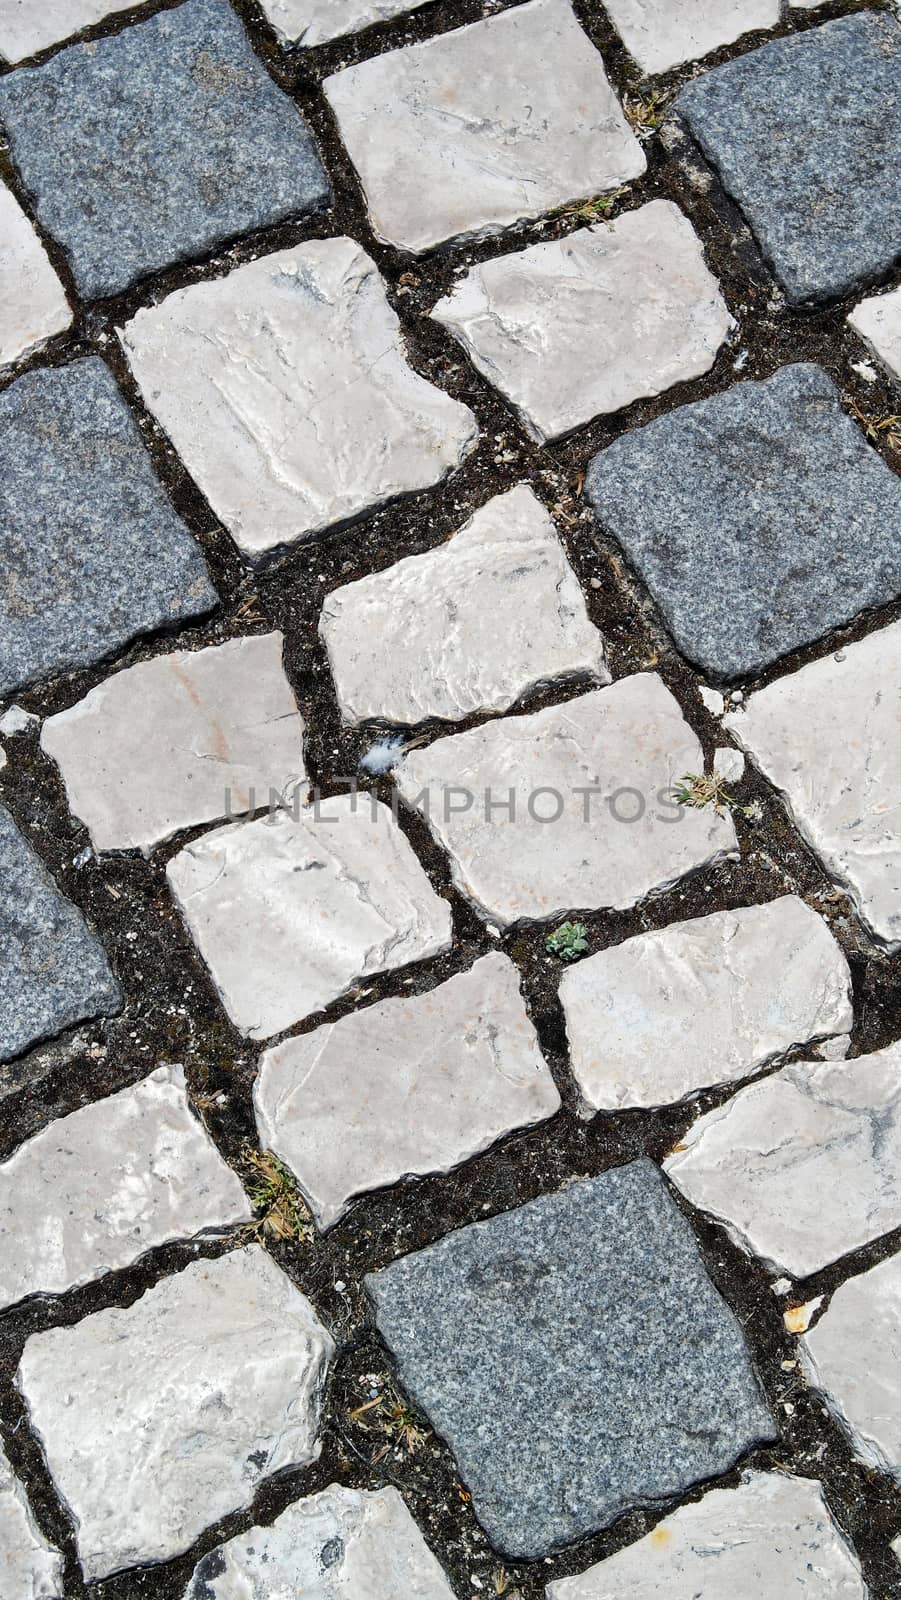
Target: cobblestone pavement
{"type": "Point", "coordinates": [450, 799]}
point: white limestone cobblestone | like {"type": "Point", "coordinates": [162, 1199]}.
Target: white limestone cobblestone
{"type": "Point", "coordinates": [467, 133]}
{"type": "Point", "coordinates": [97, 1188]}
{"type": "Point", "coordinates": [312, 22]}
{"type": "Point", "coordinates": [660, 34]}
{"type": "Point", "coordinates": [594, 823]}
{"type": "Point", "coordinates": [422, 638]}
{"type": "Point", "coordinates": [853, 1356]}
{"type": "Point", "coordinates": [574, 328]}
{"type": "Point", "coordinates": [878, 320]}
{"type": "Point", "coordinates": [773, 1535]}
{"type": "Point", "coordinates": [341, 1544]}
{"type": "Point", "coordinates": [404, 1088]}
{"type": "Point", "coordinates": [27, 26]}
{"type": "Point", "coordinates": [702, 1002]}
{"type": "Point", "coordinates": [178, 740]}
{"type": "Point", "coordinates": [33, 304]}
{"type": "Point", "coordinates": [827, 737]}
{"type": "Point", "coordinates": [804, 1166]}
{"type": "Point", "coordinates": [148, 1422]}
{"type": "Point", "coordinates": [31, 1568]}
{"type": "Point", "coordinates": [290, 910]}
{"type": "Point", "coordinates": [286, 390]}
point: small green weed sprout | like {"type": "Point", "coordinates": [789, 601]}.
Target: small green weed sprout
{"type": "Point", "coordinates": [273, 1193]}
{"type": "Point", "coordinates": [699, 790]}
{"type": "Point", "coordinates": [568, 942]}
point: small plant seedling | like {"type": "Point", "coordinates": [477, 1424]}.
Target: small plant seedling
{"type": "Point", "coordinates": [593, 210]}
{"type": "Point", "coordinates": [645, 115]}
{"type": "Point", "coordinates": [698, 790]}
{"type": "Point", "coordinates": [568, 942]}
{"type": "Point", "coordinates": [388, 1414]}
{"type": "Point", "coordinates": [273, 1192]}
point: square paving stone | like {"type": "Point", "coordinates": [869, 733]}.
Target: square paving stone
{"type": "Point", "coordinates": [878, 321]}
{"type": "Point", "coordinates": [772, 1536]}
{"type": "Point", "coordinates": [853, 1357]}
{"type": "Point", "coordinates": [570, 808]}
{"type": "Point", "coordinates": [660, 34]}
{"type": "Point", "coordinates": [804, 1166]}
{"type": "Point", "coordinates": [578, 327]}
{"type": "Point", "coordinates": [285, 388]}
{"type": "Point", "coordinates": [575, 1356]}
{"type": "Point", "coordinates": [291, 910]}
{"type": "Point", "coordinates": [95, 1190]}
{"type": "Point", "coordinates": [27, 26]}
{"type": "Point", "coordinates": [341, 1544]}
{"type": "Point", "coordinates": [311, 22]}
{"type": "Point", "coordinates": [806, 136]}
{"type": "Point", "coordinates": [421, 638]}
{"type": "Point", "coordinates": [827, 738]}
{"type": "Point", "coordinates": [157, 143]}
{"type": "Point", "coordinates": [91, 547]}
{"type": "Point", "coordinates": [53, 968]}
{"type": "Point", "coordinates": [468, 133]}
{"type": "Point", "coordinates": [159, 1419]}
{"type": "Point", "coordinates": [703, 1002]}
{"type": "Point", "coordinates": [178, 740]}
{"type": "Point", "coordinates": [33, 304]}
{"type": "Point", "coordinates": [759, 519]}
{"type": "Point", "coordinates": [32, 1569]}
{"type": "Point", "coordinates": [447, 1073]}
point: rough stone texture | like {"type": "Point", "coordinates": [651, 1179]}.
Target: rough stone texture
{"type": "Point", "coordinates": [659, 34]}
{"type": "Point", "coordinates": [794, 129]}
{"type": "Point", "coordinates": [702, 1002]}
{"type": "Point", "coordinates": [158, 1420]}
{"type": "Point", "coordinates": [853, 1355]}
{"type": "Point", "coordinates": [466, 134]}
{"type": "Point", "coordinates": [311, 22]}
{"type": "Point", "coordinates": [286, 390]}
{"type": "Point", "coordinates": [803, 515]}
{"type": "Point", "coordinates": [178, 740]}
{"type": "Point", "coordinates": [92, 551]}
{"type": "Point", "coordinates": [609, 831]}
{"type": "Point", "coordinates": [621, 1378]}
{"type": "Point", "coordinates": [444, 1074]}
{"type": "Point", "coordinates": [421, 638]}
{"type": "Point", "coordinates": [96, 1189]}
{"type": "Point", "coordinates": [878, 321]}
{"type": "Point", "coordinates": [27, 26]}
{"type": "Point", "coordinates": [342, 1544]}
{"type": "Point", "coordinates": [32, 1569]}
{"type": "Point", "coordinates": [33, 304]}
{"type": "Point", "coordinates": [578, 327]}
{"type": "Point", "coordinates": [771, 1536]}
{"type": "Point", "coordinates": [803, 1166]}
{"type": "Point", "coordinates": [827, 737]}
{"type": "Point", "coordinates": [53, 968]}
{"type": "Point", "coordinates": [712, 700]}
{"type": "Point", "coordinates": [289, 912]}
{"type": "Point", "coordinates": [154, 144]}
{"type": "Point", "coordinates": [16, 720]}
{"type": "Point", "coordinates": [728, 764]}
